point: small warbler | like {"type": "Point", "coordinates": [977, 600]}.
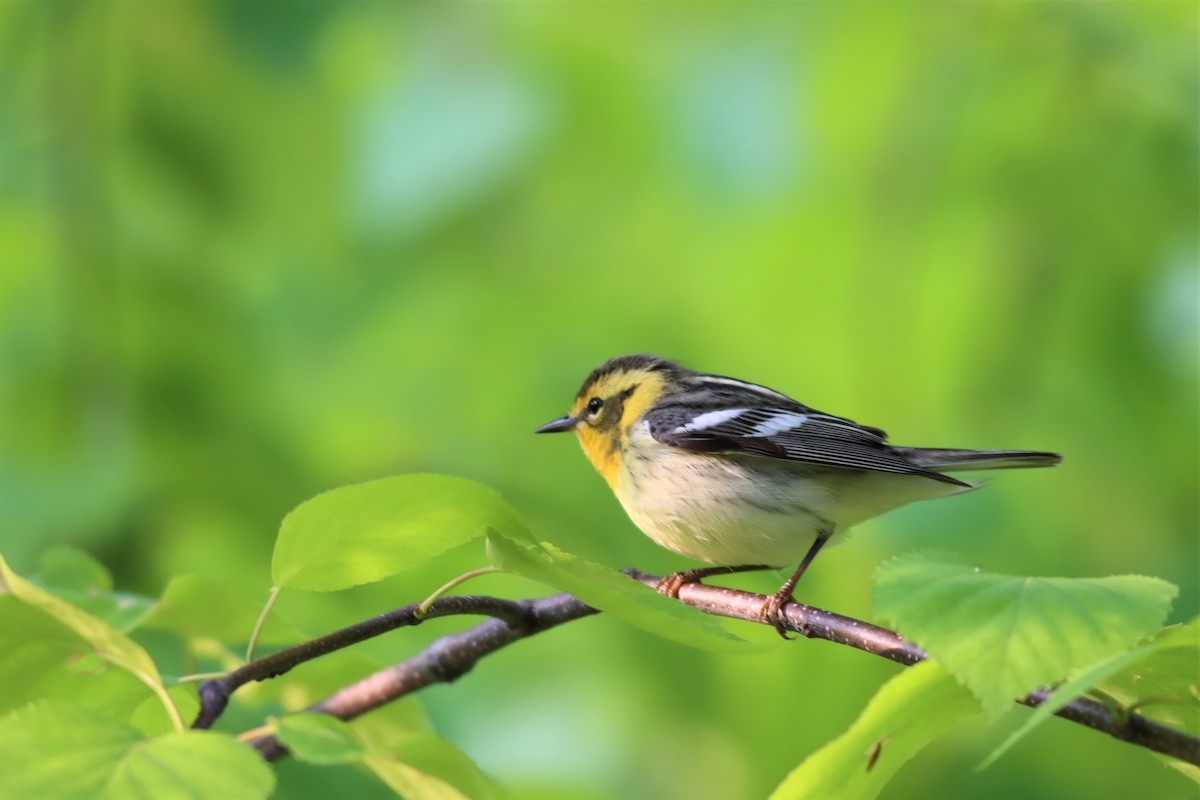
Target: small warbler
{"type": "Point", "coordinates": [729, 472]}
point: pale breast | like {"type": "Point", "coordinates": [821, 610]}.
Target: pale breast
{"type": "Point", "coordinates": [724, 509]}
{"type": "Point", "coordinates": [735, 509]}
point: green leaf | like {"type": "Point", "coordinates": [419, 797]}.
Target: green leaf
{"type": "Point", "coordinates": [370, 531]}
{"type": "Point", "coordinates": [150, 717]}
{"type": "Point", "coordinates": [107, 642]}
{"type": "Point", "coordinates": [1184, 768]}
{"type": "Point", "coordinates": [409, 782]}
{"type": "Point", "coordinates": [319, 738]}
{"type": "Point", "coordinates": [610, 591]}
{"type": "Point", "coordinates": [406, 755]}
{"type": "Point", "coordinates": [93, 633]}
{"type": "Point", "coordinates": [1165, 685]}
{"type": "Point", "coordinates": [199, 765]}
{"type": "Point", "coordinates": [70, 568]}
{"type": "Point", "coordinates": [60, 751]}
{"type": "Point", "coordinates": [1004, 636]}
{"type": "Point", "coordinates": [63, 752]}
{"type": "Point", "coordinates": [196, 606]}
{"type": "Point", "coordinates": [41, 659]}
{"type": "Point", "coordinates": [120, 610]}
{"type": "Point", "coordinates": [429, 768]}
{"type": "Point", "coordinates": [394, 722]}
{"type": "Point", "coordinates": [907, 713]}
{"type": "Point", "coordinates": [1159, 667]}
{"type": "Point", "coordinates": [418, 765]}
{"type": "Point", "coordinates": [84, 583]}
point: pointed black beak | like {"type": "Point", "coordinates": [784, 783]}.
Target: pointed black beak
{"type": "Point", "coordinates": [561, 424]}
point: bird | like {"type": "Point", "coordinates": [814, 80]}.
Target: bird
{"type": "Point", "coordinates": [740, 476]}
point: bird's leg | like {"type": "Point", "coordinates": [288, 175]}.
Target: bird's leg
{"type": "Point", "coordinates": [772, 610]}
{"type": "Point", "coordinates": [671, 584]}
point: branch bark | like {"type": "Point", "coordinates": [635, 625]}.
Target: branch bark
{"type": "Point", "coordinates": [452, 656]}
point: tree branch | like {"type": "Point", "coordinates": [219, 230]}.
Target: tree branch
{"type": "Point", "coordinates": [214, 695]}
{"type": "Point", "coordinates": [444, 661]}
{"type": "Point", "coordinates": [450, 657]}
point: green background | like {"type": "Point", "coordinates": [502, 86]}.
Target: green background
{"type": "Point", "coordinates": [254, 251]}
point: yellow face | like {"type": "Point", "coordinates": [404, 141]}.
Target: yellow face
{"type": "Point", "coordinates": [606, 409]}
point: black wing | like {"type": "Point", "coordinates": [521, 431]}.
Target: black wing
{"type": "Point", "coordinates": [788, 432]}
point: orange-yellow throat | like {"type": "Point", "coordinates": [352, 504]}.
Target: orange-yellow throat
{"type": "Point", "coordinates": [603, 438]}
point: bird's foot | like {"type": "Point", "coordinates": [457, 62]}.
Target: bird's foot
{"type": "Point", "coordinates": [772, 614]}
{"type": "Point", "coordinates": [671, 584]}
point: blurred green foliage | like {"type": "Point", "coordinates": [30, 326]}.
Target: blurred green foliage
{"type": "Point", "coordinates": [251, 251]}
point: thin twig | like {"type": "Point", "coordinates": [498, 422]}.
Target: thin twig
{"type": "Point", "coordinates": [214, 695]}
{"type": "Point", "coordinates": [448, 658]}
{"type": "Point", "coordinates": [444, 661]}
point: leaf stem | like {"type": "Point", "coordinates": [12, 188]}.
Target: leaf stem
{"type": "Point", "coordinates": [254, 733]}
{"type": "Point", "coordinates": [200, 676]}
{"type": "Point", "coordinates": [262, 619]}
{"type": "Point", "coordinates": [423, 606]}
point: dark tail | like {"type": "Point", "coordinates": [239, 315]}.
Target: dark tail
{"type": "Point", "coordinates": [939, 460]}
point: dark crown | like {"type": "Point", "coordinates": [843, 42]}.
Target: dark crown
{"type": "Point", "coordinates": [630, 363]}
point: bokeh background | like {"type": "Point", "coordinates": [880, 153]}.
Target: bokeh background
{"type": "Point", "coordinates": [252, 251]}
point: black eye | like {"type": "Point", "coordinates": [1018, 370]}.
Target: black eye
{"type": "Point", "coordinates": [594, 405]}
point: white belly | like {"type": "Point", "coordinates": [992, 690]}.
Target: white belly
{"type": "Point", "coordinates": [729, 510]}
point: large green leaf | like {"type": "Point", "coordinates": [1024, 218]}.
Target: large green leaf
{"type": "Point", "coordinates": [58, 751]}
{"type": "Point", "coordinates": [1004, 636]}
{"type": "Point", "coordinates": [429, 768]}
{"type": "Point", "coordinates": [907, 713]}
{"type": "Point", "coordinates": [86, 584]}
{"type": "Point", "coordinates": [41, 659]}
{"type": "Point", "coordinates": [120, 610]}
{"type": "Point", "coordinates": [417, 764]}
{"type": "Point", "coordinates": [367, 532]}
{"type": "Point", "coordinates": [610, 591]}
{"type": "Point", "coordinates": [319, 738]}
{"type": "Point", "coordinates": [1165, 671]}
{"type": "Point", "coordinates": [197, 606]}
{"type": "Point", "coordinates": [1165, 684]}
{"type": "Point", "coordinates": [409, 782]}
{"type": "Point", "coordinates": [198, 765]}
{"type": "Point", "coordinates": [94, 634]}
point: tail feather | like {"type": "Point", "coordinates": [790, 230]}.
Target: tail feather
{"type": "Point", "coordinates": [942, 460]}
